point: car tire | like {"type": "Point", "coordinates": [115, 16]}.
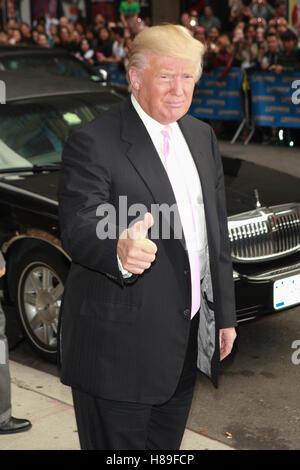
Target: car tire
{"type": "Point", "coordinates": [40, 280]}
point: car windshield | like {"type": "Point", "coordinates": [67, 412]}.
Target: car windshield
{"type": "Point", "coordinates": [55, 65]}
{"type": "Point", "coordinates": [34, 133]}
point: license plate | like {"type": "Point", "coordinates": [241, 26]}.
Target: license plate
{"type": "Point", "coordinates": [286, 292]}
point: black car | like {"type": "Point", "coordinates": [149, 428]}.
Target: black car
{"type": "Point", "coordinates": [263, 209]}
{"type": "Point", "coordinates": [54, 61]}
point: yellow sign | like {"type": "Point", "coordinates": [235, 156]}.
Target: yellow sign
{"type": "Point", "coordinates": [294, 12]}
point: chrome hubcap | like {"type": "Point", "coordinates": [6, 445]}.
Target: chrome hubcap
{"type": "Point", "coordinates": [42, 299]}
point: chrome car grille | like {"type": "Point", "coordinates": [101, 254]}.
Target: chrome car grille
{"type": "Point", "coordinates": [265, 233]}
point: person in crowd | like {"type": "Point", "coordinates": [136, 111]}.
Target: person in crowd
{"type": "Point", "coordinates": [63, 21]}
{"type": "Point", "coordinates": [35, 36]}
{"type": "Point", "coordinates": [43, 40]}
{"type": "Point", "coordinates": [8, 424]}
{"type": "Point", "coordinates": [247, 52]}
{"type": "Point", "coordinates": [241, 13]}
{"type": "Point", "coordinates": [80, 28]}
{"type": "Point", "coordinates": [279, 9]}
{"type": "Point", "coordinates": [130, 318]}
{"type": "Point", "coordinates": [3, 38]}
{"type": "Point", "coordinates": [213, 35]}
{"type": "Point", "coordinates": [86, 53]}
{"type": "Point", "coordinates": [40, 27]}
{"type": "Point", "coordinates": [224, 55]}
{"type": "Point", "coordinates": [194, 19]}
{"type": "Point", "coordinates": [26, 33]}
{"type": "Point", "coordinates": [99, 23]}
{"type": "Point", "coordinates": [262, 9]}
{"type": "Point", "coordinates": [236, 5]}
{"type": "Point", "coordinates": [289, 56]}
{"type": "Point", "coordinates": [53, 30]}
{"type": "Point", "coordinates": [64, 37]}
{"type": "Point", "coordinates": [104, 46]}
{"type": "Point", "coordinates": [261, 43]}
{"type": "Point", "coordinates": [12, 23]}
{"type": "Point", "coordinates": [129, 11]}
{"type": "Point", "coordinates": [90, 36]}
{"type": "Point", "coordinates": [118, 52]}
{"type": "Point", "coordinates": [208, 20]}
{"type": "Point", "coordinates": [16, 38]}
{"type": "Point", "coordinates": [185, 19]}
{"type": "Point", "coordinates": [198, 5]}
{"type": "Point", "coordinates": [258, 22]}
{"type": "Point", "coordinates": [281, 26]}
{"type": "Point", "coordinates": [200, 34]}
{"type": "Point", "coordinates": [10, 35]}
{"type": "Point", "coordinates": [75, 41]}
{"type": "Point", "coordinates": [127, 47]}
{"type": "Point", "coordinates": [269, 60]}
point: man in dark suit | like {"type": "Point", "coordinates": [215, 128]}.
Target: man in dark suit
{"type": "Point", "coordinates": [148, 298]}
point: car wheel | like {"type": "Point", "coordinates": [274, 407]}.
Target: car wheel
{"type": "Point", "coordinates": [40, 285]}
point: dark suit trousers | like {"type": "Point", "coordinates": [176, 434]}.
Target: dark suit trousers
{"type": "Point", "coordinates": [114, 425]}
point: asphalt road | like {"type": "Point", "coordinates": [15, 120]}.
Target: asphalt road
{"type": "Point", "coordinates": [258, 399]}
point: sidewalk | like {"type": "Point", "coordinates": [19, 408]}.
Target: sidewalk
{"type": "Point", "coordinates": [41, 398]}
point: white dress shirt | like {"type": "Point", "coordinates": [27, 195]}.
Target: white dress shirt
{"type": "Point", "coordinates": [182, 174]}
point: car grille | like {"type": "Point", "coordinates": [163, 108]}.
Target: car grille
{"type": "Point", "coordinates": [265, 233]}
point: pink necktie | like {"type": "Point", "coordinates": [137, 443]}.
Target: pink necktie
{"type": "Point", "coordinates": [190, 228]}
{"type": "Point", "coordinates": [166, 145]}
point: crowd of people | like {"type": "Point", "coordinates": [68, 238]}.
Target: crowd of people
{"type": "Point", "coordinates": [257, 36]}
{"type": "Point", "coordinates": [100, 43]}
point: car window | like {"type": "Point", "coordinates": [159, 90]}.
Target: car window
{"type": "Point", "coordinates": [35, 132]}
{"type": "Point", "coordinates": [55, 65]}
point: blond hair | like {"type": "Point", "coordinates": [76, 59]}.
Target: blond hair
{"type": "Point", "coordinates": [167, 40]}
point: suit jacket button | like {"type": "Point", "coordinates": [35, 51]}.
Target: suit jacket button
{"type": "Point", "coordinates": [187, 313]}
{"type": "Point", "coordinates": [185, 272]}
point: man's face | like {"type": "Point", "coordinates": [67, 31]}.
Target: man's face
{"type": "Point", "coordinates": [43, 40]}
{"type": "Point", "coordinates": [289, 45]}
{"type": "Point", "coordinates": [165, 88]}
{"type": "Point", "coordinates": [272, 43]}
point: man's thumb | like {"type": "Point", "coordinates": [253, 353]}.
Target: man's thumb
{"type": "Point", "coordinates": [147, 222]}
{"type": "Point", "coordinates": [140, 229]}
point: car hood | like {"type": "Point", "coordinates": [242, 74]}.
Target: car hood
{"type": "Point", "coordinates": [241, 179]}
{"type": "Point", "coordinates": [42, 184]}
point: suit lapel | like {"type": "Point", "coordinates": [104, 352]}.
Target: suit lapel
{"type": "Point", "coordinates": [144, 157]}
{"type": "Point", "coordinates": [200, 147]}
{"type": "Point", "coordinates": [198, 144]}
{"type": "Point", "coordinates": [195, 142]}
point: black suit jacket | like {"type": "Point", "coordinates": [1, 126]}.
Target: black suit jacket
{"type": "Point", "coordinates": [127, 340]}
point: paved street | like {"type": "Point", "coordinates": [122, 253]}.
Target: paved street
{"type": "Point", "coordinates": [257, 401]}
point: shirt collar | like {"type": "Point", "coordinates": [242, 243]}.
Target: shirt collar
{"type": "Point", "coordinates": [148, 120]}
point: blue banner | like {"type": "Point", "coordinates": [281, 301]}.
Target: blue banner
{"type": "Point", "coordinates": [115, 75]}
{"type": "Point", "coordinates": [219, 100]}
{"type": "Point", "coordinates": [275, 99]}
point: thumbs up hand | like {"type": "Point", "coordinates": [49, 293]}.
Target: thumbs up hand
{"type": "Point", "coordinates": [135, 250]}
